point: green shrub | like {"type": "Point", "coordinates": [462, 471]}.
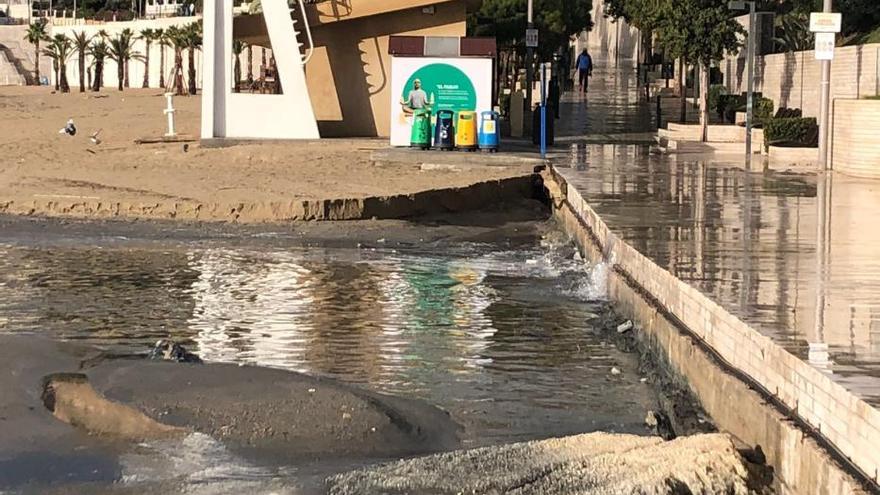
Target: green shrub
{"type": "Point", "coordinates": [800, 132]}
{"type": "Point", "coordinates": [716, 92]}
{"type": "Point", "coordinates": [728, 105]}
{"type": "Point", "coordinates": [763, 111]}
{"type": "Point", "coordinates": [877, 97]}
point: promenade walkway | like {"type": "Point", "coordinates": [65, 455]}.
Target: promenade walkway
{"type": "Point", "coordinates": [797, 256]}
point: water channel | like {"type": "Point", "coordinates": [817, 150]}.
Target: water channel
{"type": "Point", "coordinates": [501, 326]}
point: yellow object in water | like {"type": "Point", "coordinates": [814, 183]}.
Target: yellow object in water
{"type": "Point", "coordinates": [466, 130]}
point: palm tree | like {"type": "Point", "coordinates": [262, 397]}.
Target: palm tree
{"type": "Point", "coordinates": [36, 32]}
{"type": "Point", "coordinates": [162, 38]}
{"type": "Point", "coordinates": [194, 42]}
{"type": "Point", "coordinates": [237, 48]}
{"type": "Point", "coordinates": [177, 38]}
{"type": "Point", "coordinates": [148, 35]}
{"type": "Point", "coordinates": [59, 48]}
{"type": "Point", "coordinates": [250, 65]}
{"type": "Point", "coordinates": [99, 51]}
{"type": "Point", "coordinates": [81, 44]}
{"type": "Point", "coordinates": [794, 34]}
{"type": "Point", "coordinates": [121, 51]}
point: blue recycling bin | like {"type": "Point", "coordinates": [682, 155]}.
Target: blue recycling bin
{"type": "Point", "coordinates": [489, 135]}
{"type": "Point", "coordinates": [444, 131]}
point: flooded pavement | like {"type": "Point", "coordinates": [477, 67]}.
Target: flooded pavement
{"type": "Point", "coordinates": [611, 106]}
{"type": "Point", "coordinates": [794, 256]}
{"type": "Point", "coordinates": [500, 326]}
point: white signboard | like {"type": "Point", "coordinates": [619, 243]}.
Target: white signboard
{"type": "Point", "coordinates": [825, 22]}
{"type": "Point", "coordinates": [532, 38]}
{"type": "Point", "coordinates": [825, 46]}
{"type": "Point", "coordinates": [448, 83]}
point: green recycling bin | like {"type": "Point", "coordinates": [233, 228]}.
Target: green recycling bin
{"type": "Point", "coordinates": [421, 129]}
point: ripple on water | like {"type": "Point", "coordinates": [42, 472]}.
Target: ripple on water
{"type": "Point", "coordinates": [503, 339]}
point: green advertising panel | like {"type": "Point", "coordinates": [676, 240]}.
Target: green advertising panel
{"type": "Point", "coordinates": [448, 88]}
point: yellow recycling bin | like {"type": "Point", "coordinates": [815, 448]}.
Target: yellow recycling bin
{"type": "Point", "coordinates": [466, 131]}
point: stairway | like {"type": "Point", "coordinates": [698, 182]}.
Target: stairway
{"type": "Point", "coordinates": [17, 56]}
{"type": "Point", "coordinates": [9, 74]}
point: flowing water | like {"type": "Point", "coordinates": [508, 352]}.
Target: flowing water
{"type": "Point", "coordinates": [500, 328]}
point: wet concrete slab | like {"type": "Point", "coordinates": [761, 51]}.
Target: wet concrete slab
{"type": "Point", "coordinates": [795, 256]}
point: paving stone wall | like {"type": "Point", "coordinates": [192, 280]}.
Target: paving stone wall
{"type": "Point", "coordinates": [792, 79]}
{"type": "Point", "coordinates": [855, 138]}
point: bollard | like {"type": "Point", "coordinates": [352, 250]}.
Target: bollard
{"type": "Point", "coordinates": [169, 111]}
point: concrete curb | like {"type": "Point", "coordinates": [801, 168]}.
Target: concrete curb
{"type": "Point", "coordinates": [819, 437]}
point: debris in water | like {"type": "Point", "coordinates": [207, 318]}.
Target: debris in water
{"type": "Point", "coordinates": [381, 241]}
{"type": "Point", "coordinates": [625, 326]}
{"type": "Point", "coordinates": [615, 371]}
{"type": "Point", "coordinates": [531, 262]}
{"type": "Point", "coordinates": [311, 390]}
{"type": "Point", "coordinates": [168, 350]}
{"type": "Point", "coordinates": [651, 419]}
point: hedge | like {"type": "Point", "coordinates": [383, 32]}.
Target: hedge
{"type": "Point", "coordinates": [799, 132]}
{"type": "Point", "coordinates": [727, 105]}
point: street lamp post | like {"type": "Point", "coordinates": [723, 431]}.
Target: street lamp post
{"type": "Point", "coordinates": [824, 103]}
{"type": "Point", "coordinates": [529, 56]}
{"type": "Point", "coordinates": [750, 74]}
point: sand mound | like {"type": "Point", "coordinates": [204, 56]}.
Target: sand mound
{"type": "Point", "coordinates": [595, 463]}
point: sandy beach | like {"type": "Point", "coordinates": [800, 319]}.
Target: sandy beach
{"type": "Point", "coordinates": [43, 172]}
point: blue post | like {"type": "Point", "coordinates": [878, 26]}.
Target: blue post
{"type": "Point", "coordinates": [543, 112]}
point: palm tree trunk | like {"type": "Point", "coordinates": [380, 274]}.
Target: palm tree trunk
{"type": "Point", "coordinates": [178, 72]}
{"type": "Point", "coordinates": [162, 66]}
{"type": "Point", "coordinates": [147, 66]}
{"type": "Point", "coordinates": [120, 72]}
{"type": "Point", "coordinates": [250, 65]}
{"type": "Point", "coordinates": [125, 74]}
{"type": "Point", "coordinates": [55, 68]}
{"type": "Point", "coordinates": [192, 70]}
{"type": "Point", "coordinates": [37, 63]}
{"type": "Point", "coordinates": [82, 71]}
{"type": "Point", "coordinates": [65, 86]}
{"type": "Point", "coordinates": [99, 75]}
{"type": "Point", "coordinates": [236, 74]}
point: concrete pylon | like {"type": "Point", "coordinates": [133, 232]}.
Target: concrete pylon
{"type": "Point", "coordinates": [254, 116]}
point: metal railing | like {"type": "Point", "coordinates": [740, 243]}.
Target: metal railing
{"type": "Point", "coordinates": [311, 48]}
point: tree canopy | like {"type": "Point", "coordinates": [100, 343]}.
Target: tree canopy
{"type": "Point", "coordinates": [556, 21]}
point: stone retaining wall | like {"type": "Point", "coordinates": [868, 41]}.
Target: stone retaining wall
{"type": "Point", "coordinates": [751, 386]}
{"type": "Point", "coordinates": [792, 79]}
{"type": "Point", "coordinates": [855, 138]}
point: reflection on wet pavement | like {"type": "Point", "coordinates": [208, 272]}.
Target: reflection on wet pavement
{"type": "Point", "coordinates": [795, 256]}
{"type": "Point", "coordinates": [504, 337]}
{"type": "Point", "coordinates": [612, 105]}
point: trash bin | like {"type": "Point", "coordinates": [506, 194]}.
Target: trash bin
{"type": "Point", "coordinates": [466, 131]}
{"type": "Point", "coordinates": [420, 137]}
{"type": "Point", "coordinates": [489, 131]}
{"type": "Point", "coordinates": [536, 125]}
{"type": "Point", "coordinates": [444, 131]}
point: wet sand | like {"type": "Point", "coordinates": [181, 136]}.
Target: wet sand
{"type": "Point", "coordinates": [43, 172]}
{"type": "Point", "coordinates": [265, 415]}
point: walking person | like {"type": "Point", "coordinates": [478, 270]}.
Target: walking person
{"type": "Point", "coordinates": [585, 69]}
